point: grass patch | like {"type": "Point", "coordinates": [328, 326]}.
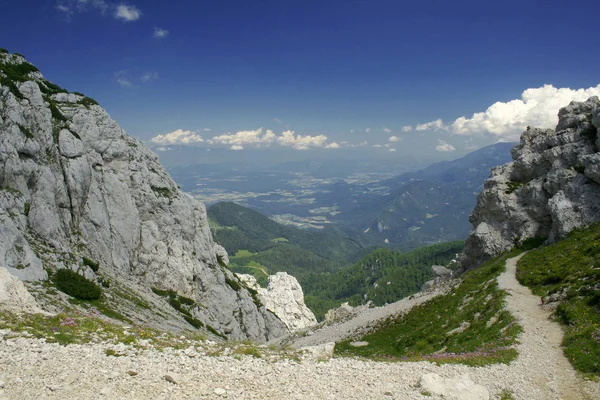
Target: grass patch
{"type": "Point", "coordinates": [182, 304]}
{"type": "Point", "coordinates": [26, 131]}
{"type": "Point", "coordinates": [91, 263]}
{"type": "Point", "coordinates": [235, 285]}
{"type": "Point", "coordinates": [162, 192]}
{"type": "Point", "coordinates": [75, 285]}
{"type": "Point", "coordinates": [88, 102]}
{"type": "Point", "coordinates": [425, 332]}
{"type": "Point", "coordinates": [513, 185]}
{"type": "Point", "coordinates": [571, 267]}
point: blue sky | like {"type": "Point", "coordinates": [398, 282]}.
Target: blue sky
{"type": "Point", "coordinates": [357, 72]}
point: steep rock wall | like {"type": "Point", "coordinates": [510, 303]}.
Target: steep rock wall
{"type": "Point", "coordinates": [74, 185]}
{"type": "Point", "coordinates": [551, 187]}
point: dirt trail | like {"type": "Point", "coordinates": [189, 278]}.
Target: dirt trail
{"type": "Point", "coordinates": [540, 351]}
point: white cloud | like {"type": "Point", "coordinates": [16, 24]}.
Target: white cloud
{"type": "Point", "coordinates": [301, 142]}
{"type": "Point", "coordinates": [119, 11]}
{"type": "Point", "coordinates": [537, 107]}
{"type": "Point", "coordinates": [333, 145]}
{"type": "Point", "coordinates": [160, 33]}
{"type": "Point", "coordinates": [407, 128]}
{"type": "Point", "coordinates": [386, 129]}
{"type": "Point", "coordinates": [149, 76]}
{"type": "Point", "coordinates": [124, 82]}
{"type": "Point", "coordinates": [207, 129]}
{"type": "Point", "coordinates": [377, 145]}
{"type": "Point", "coordinates": [237, 147]}
{"type": "Point", "coordinates": [70, 7]}
{"type": "Point", "coordinates": [254, 138]}
{"type": "Point", "coordinates": [127, 13]}
{"type": "Point", "coordinates": [394, 139]}
{"type": "Point", "coordinates": [436, 125]}
{"type": "Point", "coordinates": [178, 137]}
{"type": "Point", "coordinates": [392, 150]}
{"type": "Point", "coordinates": [386, 145]}
{"type": "Point", "coordinates": [368, 130]}
{"type": "Point", "coordinates": [444, 146]}
{"type": "Point", "coordinates": [122, 79]}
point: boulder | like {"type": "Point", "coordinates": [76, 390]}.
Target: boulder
{"type": "Point", "coordinates": [458, 388]}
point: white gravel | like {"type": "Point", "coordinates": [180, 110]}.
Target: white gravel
{"type": "Point", "coordinates": [32, 369]}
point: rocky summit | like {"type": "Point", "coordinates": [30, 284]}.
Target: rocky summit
{"type": "Point", "coordinates": [551, 187]}
{"type": "Point", "coordinates": [76, 192]}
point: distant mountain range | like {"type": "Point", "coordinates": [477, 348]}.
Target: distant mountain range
{"type": "Point", "coordinates": [427, 206]}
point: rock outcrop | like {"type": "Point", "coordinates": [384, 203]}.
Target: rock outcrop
{"type": "Point", "coordinates": [285, 298]}
{"type": "Point", "coordinates": [14, 296]}
{"type": "Point", "coordinates": [551, 187]}
{"type": "Point", "coordinates": [74, 188]}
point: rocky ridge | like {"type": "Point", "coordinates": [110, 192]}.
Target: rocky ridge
{"type": "Point", "coordinates": [551, 187]}
{"type": "Point", "coordinates": [76, 192]}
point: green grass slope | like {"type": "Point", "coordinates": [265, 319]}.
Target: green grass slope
{"type": "Point", "coordinates": [571, 270]}
{"type": "Point", "coordinates": [468, 325]}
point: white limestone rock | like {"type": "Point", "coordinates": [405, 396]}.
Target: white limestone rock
{"type": "Point", "coordinates": [285, 298]}
{"type": "Point", "coordinates": [14, 296]}
{"type": "Point", "coordinates": [551, 187]}
{"type": "Point", "coordinates": [78, 185]}
{"type": "Point", "coordinates": [458, 388]}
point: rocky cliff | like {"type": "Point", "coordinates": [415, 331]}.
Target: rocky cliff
{"type": "Point", "coordinates": [285, 298]}
{"type": "Point", "coordinates": [76, 192]}
{"type": "Point", "coordinates": [551, 187]}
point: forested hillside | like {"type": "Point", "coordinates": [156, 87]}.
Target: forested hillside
{"type": "Point", "coordinates": [383, 276]}
{"type": "Point", "coordinates": [324, 262]}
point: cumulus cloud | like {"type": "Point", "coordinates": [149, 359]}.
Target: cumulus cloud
{"type": "Point", "coordinates": [368, 130]}
{"type": "Point", "coordinates": [394, 139]}
{"type": "Point", "coordinates": [537, 107]}
{"type": "Point", "coordinates": [178, 137]}
{"type": "Point", "coordinates": [263, 138]}
{"type": "Point", "coordinates": [127, 13]}
{"type": "Point", "coordinates": [436, 125]}
{"type": "Point", "coordinates": [254, 138]}
{"type": "Point", "coordinates": [392, 150]}
{"type": "Point", "coordinates": [301, 142]}
{"type": "Point", "coordinates": [407, 128]}
{"type": "Point", "coordinates": [160, 33]}
{"type": "Point", "coordinates": [377, 146]}
{"type": "Point", "coordinates": [386, 129]}
{"type": "Point", "coordinates": [444, 146]}
{"type": "Point", "coordinates": [149, 76]}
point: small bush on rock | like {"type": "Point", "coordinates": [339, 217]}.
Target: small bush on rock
{"type": "Point", "coordinates": [75, 285]}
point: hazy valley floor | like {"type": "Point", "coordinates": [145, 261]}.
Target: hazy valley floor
{"type": "Point", "coordinates": [32, 369]}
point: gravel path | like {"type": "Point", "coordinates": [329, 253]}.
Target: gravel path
{"type": "Point", "coordinates": [540, 351]}
{"type": "Point", "coordinates": [32, 369]}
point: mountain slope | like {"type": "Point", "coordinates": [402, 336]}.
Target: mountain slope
{"type": "Point", "coordinates": [430, 205]}
{"type": "Point", "coordinates": [78, 194]}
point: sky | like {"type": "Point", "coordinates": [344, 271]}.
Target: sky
{"type": "Point", "coordinates": [388, 77]}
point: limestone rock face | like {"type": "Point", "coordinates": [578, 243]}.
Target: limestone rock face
{"type": "Point", "coordinates": [73, 185]}
{"type": "Point", "coordinates": [551, 187]}
{"type": "Point", "coordinates": [285, 298]}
